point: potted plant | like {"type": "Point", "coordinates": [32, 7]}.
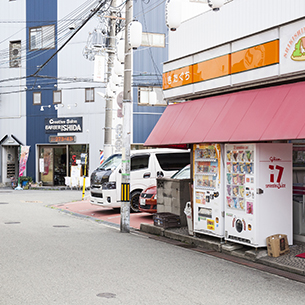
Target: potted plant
{"type": "Point", "coordinates": [24, 180]}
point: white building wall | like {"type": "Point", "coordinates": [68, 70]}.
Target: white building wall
{"type": "Point", "coordinates": [12, 105]}
{"type": "Point", "coordinates": [235, 19]}
{"type": "Point", "coordinates": [73, 65]}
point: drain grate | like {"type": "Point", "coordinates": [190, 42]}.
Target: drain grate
{"type": "Point", "coordinates": [12, 223]}
{"type": "Point", "coordinates": [106, 295]}
{"type": "Point", "coordinates": [60, 226]}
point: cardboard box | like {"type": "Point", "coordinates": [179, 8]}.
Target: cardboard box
{"type": "Point", "coordinates": [277, 245]}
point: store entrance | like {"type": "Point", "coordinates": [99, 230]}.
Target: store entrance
{"type": "Point", "coordinates": [53, 165]}
{"type": "Point", "coordinates": [55, 162]}
{"type": "Point", "coordinates": [60, 168]}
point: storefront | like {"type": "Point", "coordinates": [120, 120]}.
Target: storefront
{"type": "Point", "coordinates": [56, 160]}
{"type": "Point", "coordinates": [221, 204]}
{"type": "Point", "coordinates": [244, 93]}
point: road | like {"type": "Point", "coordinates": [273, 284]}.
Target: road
{"type": "Point", "coordinates": [51, 257]}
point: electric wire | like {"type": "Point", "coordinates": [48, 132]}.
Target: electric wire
{"type": "Point", "coordinates": [62, 35]}
{"type": "Point", "coordinates": [80, 17]}
{"type": "Point", "coordinates": [63, 32]}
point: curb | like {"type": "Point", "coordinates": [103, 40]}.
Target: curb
{"type": "Point", "coordinates": [202, 243]}
{"type": "Point", "coordinates": [259, 256]}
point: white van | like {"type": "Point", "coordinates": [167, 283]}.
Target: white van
{"type": "Point", "coordinates": [146, 166]}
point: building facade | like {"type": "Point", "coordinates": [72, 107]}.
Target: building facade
{"type": "Point", "coordinates": [49, 99]}
{"type": "Point", "coordinates": [234, 85]}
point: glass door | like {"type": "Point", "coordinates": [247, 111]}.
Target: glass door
{"type": "Point", "coordinates": [59, 165]}
{"type": "Point", "coordinates": [46, 172]}
{"type": "Point", "coordinates": [53, 165]}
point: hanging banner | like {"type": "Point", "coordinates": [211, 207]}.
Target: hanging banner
{"type": "Point", "coordinates": [24, 153]}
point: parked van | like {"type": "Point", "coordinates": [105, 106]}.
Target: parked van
{"type": "Point", "coordinates": [146, 166]}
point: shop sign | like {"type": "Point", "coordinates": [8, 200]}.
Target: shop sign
{"type": "Point", "coordinates": [293, 47]}
{"type": "Point", "coordinates": [54, 125]}
{"type": "Point", "coordinates": [253, 57]}
{"type": "Point", "coordinates": [62, 139]}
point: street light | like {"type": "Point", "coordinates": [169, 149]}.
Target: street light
{"type": "Point", "coordinates": [42, 107]}
{"type": "Point", "coordinates": [173, 11]}
{"type": "Point", "coordinates": [216, 4]}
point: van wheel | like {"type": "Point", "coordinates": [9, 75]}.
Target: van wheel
{"type": "Point", "coordinates": [134, 201]}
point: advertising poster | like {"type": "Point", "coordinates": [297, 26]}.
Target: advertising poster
{"type": "Point", "coordinates": [24, 153]}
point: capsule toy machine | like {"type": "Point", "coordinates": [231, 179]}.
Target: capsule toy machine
{"type": "Point", "coordinates": [258, 192]}
{"type": "Point", "coordinates": [208, 196]}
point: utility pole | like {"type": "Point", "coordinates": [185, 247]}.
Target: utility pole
{"type": "Point", "coordinates": [127, 104]}
{"type": "Point", "coordinates": [109, 99]}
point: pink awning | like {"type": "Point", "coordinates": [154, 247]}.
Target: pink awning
{"type": "Point", "coordinates": [274, 113]}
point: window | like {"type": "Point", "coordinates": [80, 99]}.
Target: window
{"type": "Point", "coordinates": [150, 96]}
{"type": "Point", "coordinates": [89, 95]}
{"type": "Point", "coordinates": [15, 54]}
{"type": "Point", "coordinates": [173, 161]}
{"type": "Point", "coordinates": [139, 162]}
{"type": "Point", "coordinates": [153, 40]}
{"type": "Point", "coordinates": [42, 37]}
{"type": "Point", "coordinates": [37, 98]}
{"type": "Point", "coordinates": [57, 97]}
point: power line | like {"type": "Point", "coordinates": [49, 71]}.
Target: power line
{"type": "Point", "coordinates": [64, 23]}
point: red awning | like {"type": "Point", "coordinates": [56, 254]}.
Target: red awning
{"type": "Point", "coordinates": [274, 113]}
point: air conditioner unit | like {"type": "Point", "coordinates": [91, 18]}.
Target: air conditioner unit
{"type": "Point", "coordinates": [15, 54]}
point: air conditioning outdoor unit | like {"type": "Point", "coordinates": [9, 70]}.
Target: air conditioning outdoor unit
{"type": "Point", "coordinates": [15, 54]}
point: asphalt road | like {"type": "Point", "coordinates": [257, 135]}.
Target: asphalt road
{"type": "Point", "coordinates": [51, 257]}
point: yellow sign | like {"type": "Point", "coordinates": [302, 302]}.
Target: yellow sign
{"type": "Point", "coordinates": [125, 192]}
{"type": "Point", "coordinates": [210, 224]}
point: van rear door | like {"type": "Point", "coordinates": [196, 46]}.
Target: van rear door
{"type": "Point", "coordinates": [170, 163]}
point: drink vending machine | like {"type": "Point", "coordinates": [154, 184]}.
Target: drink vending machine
{"type": "Point", "coordinates": [208, 189]}
{"type": "Point", "coordinates": [258, 192]}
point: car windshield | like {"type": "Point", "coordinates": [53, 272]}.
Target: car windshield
{"type": "Point", "coordinates": [111, 163]}
{"type": "Point", "coordinates": [184, 173]}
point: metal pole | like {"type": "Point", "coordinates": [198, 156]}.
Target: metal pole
{"type": "Point", "coordinates": [127, 103]}
{"type": "Point", "coordinates": [109, 99]}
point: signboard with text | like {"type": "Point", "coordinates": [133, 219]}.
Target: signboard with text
{"type": "Point", "coordinates": [54, 125]}
{"type": "Point", "coordinates": [62, 139]}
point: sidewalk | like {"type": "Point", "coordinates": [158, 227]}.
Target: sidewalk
{"type": "Point", "coordinates": [287, 262]}
{"type": "Point", "coordinates": [143, 222]}
{"type": "Point", "coordinates": [108, 215]}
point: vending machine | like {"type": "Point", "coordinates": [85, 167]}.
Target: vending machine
{"type": "Point", "coordinates": [258, 192]}
{"type": "Point", "coordinates": [208, 196]}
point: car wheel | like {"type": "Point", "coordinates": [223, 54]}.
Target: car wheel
{"type": "Point", "coordinates": [134, 201]}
